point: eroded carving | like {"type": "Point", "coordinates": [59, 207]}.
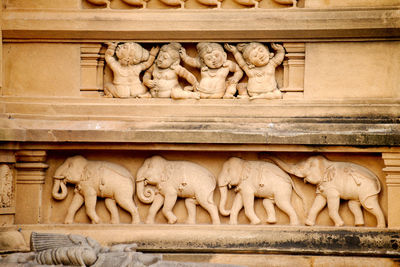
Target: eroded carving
{"type": "Point", "coordinates": [6, 186]}
{"type": "Point", "coordinates": [251, 3]}
{"type": "Point", "coordinates": [131, 60]}
{"type": "Point", "coordinates": [286, 2]}
{"type": "Point", "coordinates": [216, 3]}
{"type": "Point", "coordinates": [176, 179]}
{"type": "Point", "coordinates": [100, 2]}
{"type": "Point", "coordinates": [94, 179]}
{"type": "Point", "coordinates": [215, 68]}
{"type": "Point", "coordinates": [162, 77]}
{"type": "Point", "coordinates": [335, 181]}
{"type": "Point", "coordinates": [180, 3]}
{"type": "Point", "coordinates": [256, 179]}
{"type": "Point", "coordinates": [259, 65]}
{"type": "Point", "coordinates": [76, 250]}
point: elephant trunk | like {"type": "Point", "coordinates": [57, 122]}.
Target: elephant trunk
{"type": "Point", "coordinates": [145, 195]}
{"type": "Point", "coordinates": [224, 193]}
{"type": "Point", "coordinates": [59, 191]}
{"type": "Point", "coordinates": [289, 168]}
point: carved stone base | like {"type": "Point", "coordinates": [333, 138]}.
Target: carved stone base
{"type": "Point", "coordinates": [327, 241]}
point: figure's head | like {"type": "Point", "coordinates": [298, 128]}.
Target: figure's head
{"type": "Point", "coordinates": [168, 55]}
{"type": "Point", "coordinates": [212, 54]}
{"type": "Point", "coordinates": [131, 54]}
{"type": "Point", "coordinates": [255, 54]}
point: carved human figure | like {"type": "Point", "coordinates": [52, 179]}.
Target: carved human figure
{"type": "Point", "coordinates": [335, 181]}
{"type": "Point", "coordinates": [259, 64]}
{"type": "Point", "coordinates": [132, 60]}
{"type": "Point", "coordinates": [6, 186]}
{"type": "Point", "coordinates": [176, 179]}
{"type": "Point", "coordinates": [215, 68]}
{"type": "Point", "coordinates": [256, 179]}
{"type": "Point", "coordinates": [94, 179]}
{"type": "Point", "coordinates": [163, 77]}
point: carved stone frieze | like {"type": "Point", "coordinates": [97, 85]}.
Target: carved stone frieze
{"type": "Point", "coordinates": [335, 181]}
{"type": "Point", "coordinates": [94, 179]}
{"type": "Point", "coordinates": [161, 182]}
{"type": "Point", "coordinates": [164, 78]}
{"type": "Point", "coordinates": [256, 179]}
{"type": "Point", "coordinates": [176, 179]}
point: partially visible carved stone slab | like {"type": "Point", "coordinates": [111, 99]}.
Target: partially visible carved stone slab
{"type": "Point", "coordinates": [6, 186]}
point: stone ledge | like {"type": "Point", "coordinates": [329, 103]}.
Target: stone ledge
{"type": "Point", "coordinates": [190, 25]}
{"type": "Point", "coordinates": [361, 123]}
{"type": "Point", "coordinates": [350, 241]}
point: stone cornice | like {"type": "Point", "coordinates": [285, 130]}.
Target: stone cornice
{"type": "Point", "coordinates": [199, 25]}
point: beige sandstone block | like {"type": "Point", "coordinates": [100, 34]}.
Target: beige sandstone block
{"type": "Point", "coordinates": [42, 4]}
{"type": "Point", "coordinates": [352, 70]}
{"type": "Point", "coordinates": [41, 69]}
{"type": "Point", "coordinates": [347, 3]}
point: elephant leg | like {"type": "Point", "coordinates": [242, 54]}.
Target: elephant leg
{"type": "Point", "coordinates": [371, 204]}
{"type": "Point", "coordinates": [270, 209]}
{"type": "Point", "coordinates": [211, 208]}
{"type": "Point", "coordinates": [90, 204]}
{"type": "Point", "coordinates": [169, 203]}
{"type": "Point", "coordinates": [236, 207]}
{"type": "Point", "coordinates": [355, 208]}
{"type": "Point", "coordinates": [76, 203]}
{"type": "Point", "coordinates": [333, 199]}
{"type": "Point", "coordinates": [248, 202]}
{"type": "Point", "coordinates": [317, 206]}
{"type": "Point", "coordinates": [126, 202]}
{"type": "Point", "coordinates": [190, 204]}
{"type": "Point", "coordinates": [154, 208]}
{"type": "Point", "coordinates": [111, 205]}
{"type": "Point", "coordinates": [283, 202]}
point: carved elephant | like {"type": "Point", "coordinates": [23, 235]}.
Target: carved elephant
{"type": "Point", "coordinates": [256, 179]}
{"type": "Point", "coordinates": [335, 181]}
{"type": "Point", "coordinates": [94, 179]}
{"type": "Point", "coordinates": [175, 179]}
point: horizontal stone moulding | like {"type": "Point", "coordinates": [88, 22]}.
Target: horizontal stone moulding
{"type": "Point", "coordinates": [200, 25]}
{"type": "Point", "coordinates": [350, 241]}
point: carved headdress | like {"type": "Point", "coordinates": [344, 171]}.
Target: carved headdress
{"type": "Point", "coordinates": [132, 51]}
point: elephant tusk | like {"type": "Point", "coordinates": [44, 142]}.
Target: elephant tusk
{"type": "Point", "coordinates": [229, 186]}
{"type": "Point", "coordinates": [145, 182]}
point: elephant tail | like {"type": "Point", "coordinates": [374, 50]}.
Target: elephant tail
{"type": "Point", "coordinates": [300, 195]}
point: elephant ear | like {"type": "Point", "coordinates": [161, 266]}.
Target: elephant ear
{"type": "Point", "coordinates": [246, 169]}
{"type": "Point", "coordinates": [169, 169]}
{"type": "Point", "coordinates": [329, 174]}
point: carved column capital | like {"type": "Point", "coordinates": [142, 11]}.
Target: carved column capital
{"type": "Point", "coordinates": [31, 167]}
{"type": "Point", "coordinates": [392, 168]}
{"type": "Point", "coordinates": [392, 171]}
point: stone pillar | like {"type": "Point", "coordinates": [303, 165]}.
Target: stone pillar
{"type": "Point", "coordinates": [31, 168]}
{"type": "Point", "coordinates": [392, 171]}
{"type": "Point", "coordinates": [92, 68]}
{"type": "Point", "coordinates": [293, 70]}
{"type": "Point", "coordinates": [7, 187]}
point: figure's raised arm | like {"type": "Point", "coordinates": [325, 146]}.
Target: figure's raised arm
{"type": "Point", "coordinates": [280, 54]}
{"type": "Point", "coordinates": [188, 76]}
{"type": "Point", "coordinates": [238, 56]}
{"type": "Point", "coordinates": [147, 81]}
{"type": "Point", "coordinates": [153, 53]}
{"type": "Point", "coordinates": [191, 61]}
{"type": "Point", "coordinates": [109, 55]}
{"type": "Point", "coordinates": [237, 73]}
